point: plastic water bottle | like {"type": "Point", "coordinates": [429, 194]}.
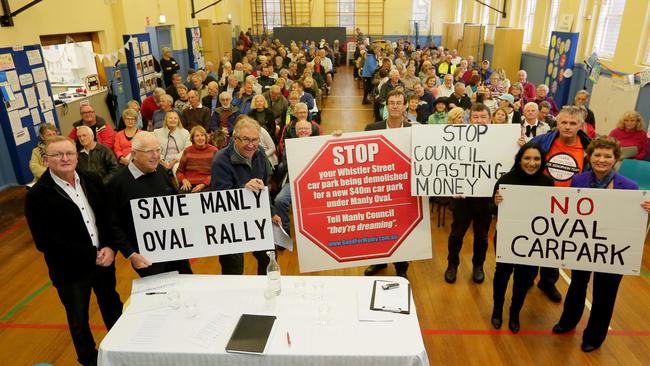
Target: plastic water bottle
{"type": "Point", "coordinates": [273, 285]}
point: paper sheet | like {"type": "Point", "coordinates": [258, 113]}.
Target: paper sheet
{"type": "Point", "coordinates": [12, 79]}
{"type": "Point", "coordinates": [42, 90]}
{"type": "Point", "coordinates": [36, 116]}
{"type": "Point", "coordinates": [6, 61]}
{"type": "Point", "coordinates": [22, 136]}
{"type": "Point", "coordinates": [14, 121]}
{"type": "Point", "coordinates": [39, 74]}
{"type": "Point", "coordinates": [48, 117]}
{"type": "Point", "coordinates": [46, 104]}
{"type": "Point", "coordinates": [34, 57]}
{"type": "Point", "coordinates": [26, 79]}
{"type": "Point", "coordinates": [367, 315]}
{"type": "Point", "coordinates": [23, 112]}
{"type": "Point", "coordinates": [157, 282]}
{"type": "Point", "coordinates": [17, 103]}
{"type": "Point", "coordinates": [209, 333]}
{"type": "Point", "coordinates": [30, 96]}
{"type": "Point", "coordinates": [149, 331]}
{"type": "Point", "coordinates": [281, 238]}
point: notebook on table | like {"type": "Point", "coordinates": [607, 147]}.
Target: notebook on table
{"type": "Point", "coordinates": [251, 334]}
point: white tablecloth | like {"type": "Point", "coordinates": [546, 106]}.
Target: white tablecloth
{"type": "Point", "coordinates": [168, 336]}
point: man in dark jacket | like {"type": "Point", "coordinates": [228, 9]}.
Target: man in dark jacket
{"type": "Point", "coordinates": [396, 104]}
{"type": "Point", "coordinates": [242, 164]}
{"type": "Point", "coordinates": [78, 260]}
{"type": "Point", "coordinates": [143, 177]}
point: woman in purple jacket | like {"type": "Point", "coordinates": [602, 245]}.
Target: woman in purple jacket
{"type": "Point", "coordinates": [602, 154]}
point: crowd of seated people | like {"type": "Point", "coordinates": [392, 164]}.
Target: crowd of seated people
{"type": "Point", "coordinates": [276, 91]}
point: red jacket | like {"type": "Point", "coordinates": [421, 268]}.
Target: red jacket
{"type": "Point", "coordinates": [148, 107]}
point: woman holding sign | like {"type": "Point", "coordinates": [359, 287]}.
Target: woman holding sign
{"type": "Point", "coordinates": [528, 169]}
{"type": "Point", "coordinates": [602, 154]}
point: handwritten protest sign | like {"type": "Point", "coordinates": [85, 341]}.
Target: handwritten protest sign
{"type": "Point", "coordinates": [351, 200]}
{"type": "Point", "coordinates": [202, 224]}
{"type": "Point", "coordinates": [599, 230]}
{"type": "Point", "coordinates": [450, 160]}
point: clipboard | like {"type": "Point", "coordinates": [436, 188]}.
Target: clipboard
{"type": "Point", "coordinates": [251, 334]}
{"type": "Point", "coordinates": [395, 300]}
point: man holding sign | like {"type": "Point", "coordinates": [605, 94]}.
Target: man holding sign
{"type": "Point", "coordinates": [565, 156]}
{"type": "Point", "coordinates": [396, 104]}
{"type": "Point", "coordinates": [143, 177]}
{"type": "Point", "coordinates": [242, 164]}
{"type": "Point", "coordinates": [470, 210]}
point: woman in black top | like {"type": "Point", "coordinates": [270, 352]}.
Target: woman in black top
{"type": "Point", "coordinates": [264, 116]}
{"type": "Point", "coordinates": [528, 170]}
{"type": "Point", "coordinates": [169, 66]}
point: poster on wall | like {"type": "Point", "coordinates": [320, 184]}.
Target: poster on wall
{"type": "Point", "coordinates": [561, 57]}
{"type": "Point", "coordinates": [195, 48]}
{"type": "Point", "coordinates": [352, 205]}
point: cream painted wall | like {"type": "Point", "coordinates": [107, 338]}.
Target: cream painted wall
{"type": "Point", "coordinates": [632, 41]}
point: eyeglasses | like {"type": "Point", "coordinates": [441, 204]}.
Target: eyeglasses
{"type": "Point", "coordinates": [88, 112]}
{"type": "Point", "coordinates": [150, 151]}
{"type": "Point", "coordinates": [60, 155]}
{"type": "Point", "coordinates": [247, 141]}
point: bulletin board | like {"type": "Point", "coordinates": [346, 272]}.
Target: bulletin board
{"type": "Point", "coordinates": [195, 48]}
{"type": "Point", "coordinates": [26, 103]}
{"type": "Point", "coordinates": [559, 65]}
{"type": "Point", "coordinates": [140, 62]}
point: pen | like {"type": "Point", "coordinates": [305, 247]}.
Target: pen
{"type": "Point", "coordinates": [288, 339]}
{"type": "Point", "coordinates": [155, 293]}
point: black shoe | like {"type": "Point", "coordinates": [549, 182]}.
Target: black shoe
{"type": "Point", "coordinates": [497, 318]}
{"type": "Point", "coordinates": [373, 269]}
{"type": "Point", "coordinates": [402, 274]}
{"type": "Point", "coordinates": [586, 347]}
{"type": "Point", "coordinates": [558, 329]}
{"type": "Point", "coordinates": [478, 275]}
{"type": "Point", "coordinates": [450, 273]}
{"type": "Point", "coordinates": [551, 292]}
{"type": "Point", "coordinates": [513, 323]}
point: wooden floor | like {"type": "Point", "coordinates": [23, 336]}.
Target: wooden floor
{"type": "Point", "coordinates": [455, 319]}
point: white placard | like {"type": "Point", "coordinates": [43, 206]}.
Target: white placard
{"type": "Point", "coordinates": [351, 210]}
{"type": "Point", "coordinates": [23, 112]}
{"type": "Point", "coordinates": [202, 224]}
{"type": "Point", "coordinates": [34, 57]}
{"type": "Point", "coordinates": [26, 79]}
{"type": "Point", "coordinates": [588, 229]}
{"type": "Point", "coordinates": [465, 159]}
{"type": "Point", "coordinates": [39, 74]}
{"type": "Point", "coordinates": [36, 116]}
{"type": "Point", "coordinates": [30, 96]}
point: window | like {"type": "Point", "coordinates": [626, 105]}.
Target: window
{"type": "Point", "coordinates": [529, 20]}
{"type": "Point", "coordinates": [485, 12]}
{"type": "Point", "coordinates": [69, 63]}
{"type": "Point", "coordinates": [272, 14]}
{"type": "Point", "coordinates": [420, 13]}
{"type": "Point", "coordinates": [346, 15]}
{"type": "Point", "coordinates": [647, 53]}
{"type": "Point", "coordinates": [609, 24]}
{"type": "Point", "coordinates": [552, 21]}
{"type": "Point", "coordinates": [459, 11]}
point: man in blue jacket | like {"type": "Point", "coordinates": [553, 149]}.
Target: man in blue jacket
{"type": "Point", "coordinates": [242, 164]}
{"type": "Point", "coordinates": [369, 67]}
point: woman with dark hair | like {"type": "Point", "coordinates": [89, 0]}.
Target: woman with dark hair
{"type": "Point", "coordinates": [528, 170]}
{"type": "Point", "coordinates": [602, 154]}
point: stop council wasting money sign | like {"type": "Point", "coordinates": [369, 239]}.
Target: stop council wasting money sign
{"type": "Point", "coordinates": [353, 199]}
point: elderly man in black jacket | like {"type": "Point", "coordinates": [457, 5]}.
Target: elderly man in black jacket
{"type": "Point", "coordinates": [67, 215]}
